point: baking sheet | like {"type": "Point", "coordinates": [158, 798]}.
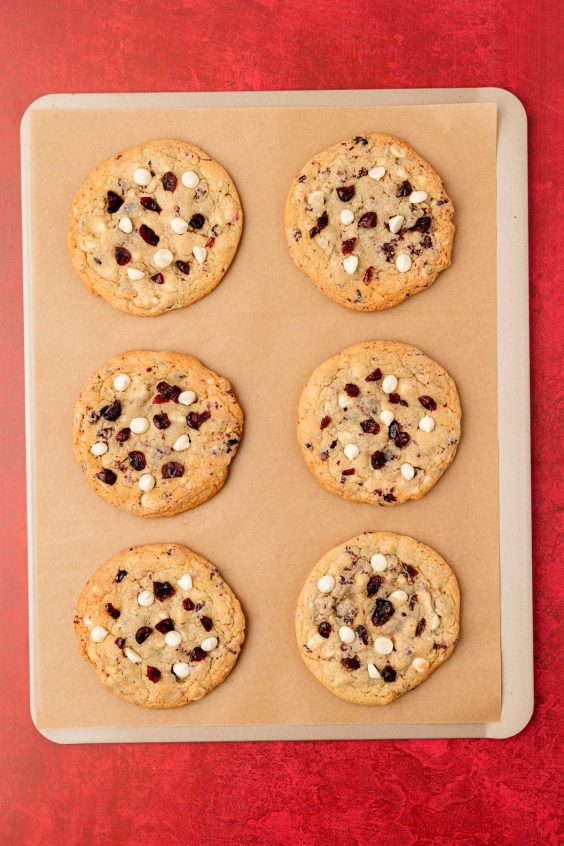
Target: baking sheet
{"type": "Point", "coordinates": [266, 327]}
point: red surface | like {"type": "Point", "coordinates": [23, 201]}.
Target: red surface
{"type": "Point", "coordinates": [353, 793]}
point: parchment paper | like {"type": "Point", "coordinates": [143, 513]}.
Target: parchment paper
{"type": "Point", "coordinates": [266, 327]}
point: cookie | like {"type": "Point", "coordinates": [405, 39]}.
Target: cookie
{"type": "Point", "coordinates": [370, 222]}
{"type": "Point", "coordinates": [377, 615]}
{"type": "Point", "coordinates": [155, 228]}
{"type": "Point", "coordinates": [379, 423]}
{"type": "Point", "coordinates": [159, 625]}
{"type": "Point", "coordinates": [155, 432]}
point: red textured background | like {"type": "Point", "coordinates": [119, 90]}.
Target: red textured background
{"type": "Point", "coordinates": [325, 794]}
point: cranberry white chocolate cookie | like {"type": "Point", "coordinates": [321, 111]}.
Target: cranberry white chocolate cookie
{"type": "Point", "coordinates": [155, 432]}
{"type": "Point", "coordinates": [377, 615]}
{"type": "Point", "coordinates": [159, 625]}
{"type": "Point", "coordinates": [379, 423]}
{"type": "Point", "coordinates": [370, 222]}
{"type": "Point", "coordinates": [155, 228]}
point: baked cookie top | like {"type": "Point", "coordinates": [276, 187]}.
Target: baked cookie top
{"type": "Point", "coordinates": [377, 615]}
{"type": "Point", "coordinates": [370, 222]}
{"type": "Point", "coordinates": [159, 625]}
{"type": "Point", "coordinates": [379, 423]}
{"type": "Point", "coordinates": [155, 432]}
{"type": "Point", "coordinates": [155, 228]}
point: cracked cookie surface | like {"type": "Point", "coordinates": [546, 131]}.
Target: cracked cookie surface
{"type": "Point", "coordinates": [370, 222]}
{"type": "Point", "coordinates": [155, 432]}
{"type": "Point", "coordinates": [159, 625]}
{"type": "Point", "coordinates": [377, 615]}
{"type": "Point", "coordinates": [379, 423]}
{"type": "Point", "coordinates": [155, 228]}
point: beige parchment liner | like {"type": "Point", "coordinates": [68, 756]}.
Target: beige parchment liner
{"type": "Point", "coordinates": [265, 328]}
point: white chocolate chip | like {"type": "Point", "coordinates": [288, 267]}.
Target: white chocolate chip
{"type": "Point", "coordinates": [346, 634]}
{"type": "Point", "coordinates": [326, 584]}
{"type": "Point", "coordinates": [397, 151]}
{"type": "Point", "coordinates": [99, 448]}
{"type": "Point", "coordinates": [350, 264]}
{"type": "Point", "coordinates": [407, 471]}
{"type": "Point", "coordinates": [142, 176]}
{"type": "Point", "coordinates": [418, 196]}
{"type": "Point", "coordinates": [373, 671]}
{"type": "Point", "coordinates": [314, 642]}
{"type": "Point", "coordinates": [316, 198]}
{"type": "Point", "coordinates": [146, 482]}
{"type": "Point", "coordinates": [139, 425]}
{"type": "Point", "coordinates": [133, 656]}
{"type": "Point", "coordinates": [173, 638]}
{"type": "Point", "coordinates": [181, 669]}
{"type": "Point", "coordinates": [178, 225]}
{"type": "Point", "coordinates": [190, 179]}
{"type": "Point", "coordinates": [181, 443]}
{"type": "Point", "coordinates": [209, 643]}
{"type": "Point", "coordinates": [386, 416]}
{"type": "Point", "coordinates": [98, 634]}
{"type": "Point", "coordinates": [187, 397]}
{"type": "Point", "coordinates": [420, 664]}
{"type": "Point", "coordinates": [403, 262]}
{"type": "Point", "coordinates": [383, 645]}
{"type": "Point", "coordinates": [347, 216]}
{"type": "Point", "coordinates": [427, 424]}
{"type": "Point", "coordinates": [435, 622]}
{"type": "Point", "coordinates": [185, 582]}
{"type": "Point", "coordinates": [343, 400]}
{"type": "Point", "coordinates": [377, 172]}
{"type": "Point", "coordinates": [122, 382]}
{"type": "Point", "coordinates": [399, 596]}
{"type": "Point", "coordinates": [379, 562]}
{"type": "Point", "coordinates": [145, 598]}
{"type": "Point", "coordinates": [87, 622]}
{"type": "Point", "coordinates": [351, 451]}
{"type": "Point", "coordinates": [162, 258]}
{"type": "Point", "coordinates": [200, 254]}
{"type": "Point", "coordinates": [125, 225]}
{"type": "Point", "coordinates": [389, 384]}
{"type": "Point", "coordinates": [396, 223]}
{"type": "Point", "coordinates": [134, 274]}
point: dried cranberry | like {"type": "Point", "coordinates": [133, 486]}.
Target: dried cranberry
{"type": "Point", "coordinates": [137, 460]}
{"type": "Point", "coordinates": [393, 430]}
{"type": "Point", "coordinates": [157, 278]}
{"type": "Point", "coordinates": [389, 674]}
{"type": "Point", "coordinates": [410, 572]}
{"type": "Point", "coordinates": [368, 220]}
{"type": "Point", "coordinates": [374, 585]}
{"type": "Point", "coordinates": [197, 221]}
{"type": "Point", "coordinates": [324, 629]}
{"type": "Point", "coordinates": [153, 674]}
{"type": "Point", "coordinates": [350, 471]}
{"type": "Point", "coordinates": [321, 224]}
{"type": "Point", "coordinates": [422, 224]}
{"type": "Point", "coordinates": [113, 612]}
{"type": "Point", "coordinates": [143, 633]}
{"type": "Point", "coordinates": [402, 439]}
{"type": "Point", "coordinates": [324, 422]}
{"type": "Point", "coordinates": [167, 393]}
{"type": "Point", "coordinates": [348, 246]}
{"type": "Point", "coordinates": [122, 255]}
{"type": "Point", "coordinates": [413, 601]}
{"type": "Point", "coordinates": [389, 250]}
{"type": "Point", "coordinates": [389, 497]}
{"type": "Point", "coordinates": [209, 243]}
{"type": "Point", "coordinates": [352, 390]}
{"type": "Point", "coordinates": [350, 663]}
{"type": "Point", "coordinates": [198, 654]}
{"type": "Point", "coordinates": [195, 420]}
{"type": "Point", "coordinates": [120, 576]}
{"type": "Point", "coordinates": [426, 242]}
{"type": "Point", "coordinates": [111, 411]}
{"type": "Point", "coordinates": [172, 470]}
{"type": "Point", "coordinates": [404, 190]}
{"type": "Point", "coordinates": [183, 267]}
{"type": "Point", "coordinates": [420, 628]}
{"type": "Point", "coordinates": [438, 646]}
{"type": "Point", "coordinates": [123, 435]}
{"type": "Point", "coordinates": [120, 642]}
{"type": "Point", "coordinates": [164, 626]}
{"type": "Point", "coordinates": [169, 181]}
{"type": "Point", "coordinates": [187, 604]}
{"type": "Point", "coordinates": [383, 610]}
{"type": "Point", "coordinates": [378, 460]}
{"type": "Point", "coordinates": [394, 398]}
{"type": "Point", "coordinates": [428, 403]}
{"type": "Point", "coordinates": [345, 193]}
{"type": "Point", "coordinates": [113, 202]}
{"type": "Point", "coordinates": [375, 376]}
{"type": "Point", "coordinates": [361, 140]}
{"type": "Point", "coordinates": [370, 426]}
{"type": "Point", "coordinates": [150, 204]}
{"type": "Point", "coordinates": [206, 623]}
{"type": "Point", "coordinates": [108, 477]}
{"type": "Point", "coordinates": [368, 274]}
{"type": "Point", "coordinates": [362, 635]}
{"type": "Point", "coordinates": [161, 421]}
{"type": "Point", "coordinates": [148, 235]}
{"type": "Point", "coordinates": [163, 590]}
